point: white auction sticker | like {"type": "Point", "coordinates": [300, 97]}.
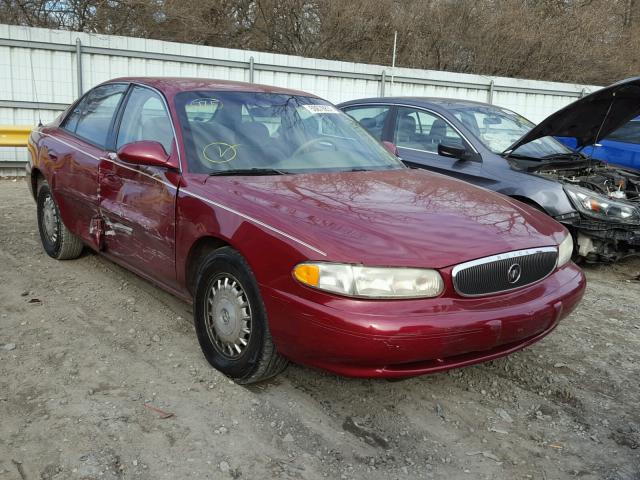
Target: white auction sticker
{"type": "Point", "coordinates": [321, 108]}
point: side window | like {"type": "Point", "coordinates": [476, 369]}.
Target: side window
{"type": "Point", "coordinates": [371, 118]}
{"type": "Point", "coordinates": [145, 118]}
{"type": "Point", "coordinates": [421, 130]}
{"type": "Point", "coordinates": [92, 117]}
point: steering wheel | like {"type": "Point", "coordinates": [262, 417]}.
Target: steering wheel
{"type": "Point", "coordinates": [313, 141]}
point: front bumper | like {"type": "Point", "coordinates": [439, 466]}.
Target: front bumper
{"type": "Point", "coordinates": [604, 241]}
{"type": "Point", "coordinates": [615, 232]}
{"type": "Point", "coordinates": [404, 338]}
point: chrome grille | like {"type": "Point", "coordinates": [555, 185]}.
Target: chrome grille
{"type": "Point", "coordinates": [504, 272]}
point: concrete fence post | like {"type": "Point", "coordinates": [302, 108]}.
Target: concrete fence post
{"type": "Point", "coordinates": [383, 80]}
{"type": "Point", "coordinates": [79, 66]}
{"type": "Point", "coordinates": [491, 90]}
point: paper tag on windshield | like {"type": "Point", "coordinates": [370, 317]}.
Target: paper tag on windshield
{"type": "Point", "coordinates": [321, 108]}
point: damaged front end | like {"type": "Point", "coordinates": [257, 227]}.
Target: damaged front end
{"type": "Point", "coordinates": [606, 226]}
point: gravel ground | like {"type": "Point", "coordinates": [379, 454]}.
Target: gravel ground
{"type": "Point", "coordinates": [92, 360]}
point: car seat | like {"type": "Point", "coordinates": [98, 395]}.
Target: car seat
{"type": "Point", "coordinates": [438, 132]}
{"type": "Point", "coordinates": [406, 130]}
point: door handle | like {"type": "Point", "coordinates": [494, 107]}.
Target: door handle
{"type": "Point", "coordinates": [52, 155]}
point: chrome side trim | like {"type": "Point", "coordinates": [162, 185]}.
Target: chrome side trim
{"type": "Point", "coordinates": [118, 226]}
{"type": "Point", "coordinates": [502, 256]}
{"type": "Point", "coordinates": [108, 159]}
{"type": "Point", "coordinates": [68, 145]}
{"type": "Point", "coordinates": [255, 220]}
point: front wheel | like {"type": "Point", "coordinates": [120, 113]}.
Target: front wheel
{"type": "Point", "coordinates": [231, 320]}
{"type": "Point", "coordinates": [57, 240]}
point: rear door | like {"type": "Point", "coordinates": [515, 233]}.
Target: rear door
{"type": "Point", "coordinates": [417, 134]}
{"type": "Point", "coordinates": [73, 154]}
{"type": "Point", "coordinates": [137, 202]}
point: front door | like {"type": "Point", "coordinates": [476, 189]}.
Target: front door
{"type": "Point", "coordinates": [137, 202]}
{"type": "Point", "coordinates": [417, 134]}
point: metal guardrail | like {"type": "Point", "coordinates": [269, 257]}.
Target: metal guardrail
{"type": "Point", "coordinates": [14, 135]}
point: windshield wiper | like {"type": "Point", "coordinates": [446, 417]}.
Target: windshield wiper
{"type": "Point", "coordinates": [508, 155]}
{"type": "Point", "coordinates": [364, 169]}
{"type": "Point", "coordinates": [249, 171]}
{"type": "Point", "coordinates": [563, 156]}
{"type": "Point", "coordinates": [553, 156]}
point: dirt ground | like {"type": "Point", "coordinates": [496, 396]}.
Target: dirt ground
{"type": "Point", "coordinates": [85, 345]}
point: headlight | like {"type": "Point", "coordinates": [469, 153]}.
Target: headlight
{"type": "Point", "coordinates": [599, 206]}
{"type": "Point", "coordinates": [565, 250]}
{"type": "Point", "coordinates": [370, 282]}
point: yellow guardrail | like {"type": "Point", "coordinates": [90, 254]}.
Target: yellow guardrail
{"type": "Point", "coordinates": [14, 135]}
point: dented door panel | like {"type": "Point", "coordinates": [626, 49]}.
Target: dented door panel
{"type": "Point", "coordinates": [137, 206]}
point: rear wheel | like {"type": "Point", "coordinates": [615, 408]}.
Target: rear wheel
{"type": "Point", "coordinates": [231, 320]}
{"type": "Point", "coordinates": [57, 240]}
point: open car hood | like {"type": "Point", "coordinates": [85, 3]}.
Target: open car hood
{"type": "Point", "coordinates": [591, 118]}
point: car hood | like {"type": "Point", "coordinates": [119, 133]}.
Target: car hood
{"type": "Point", "coordinates": [592, 117]}
{"type": "Point", "coordinates": [388, 218]}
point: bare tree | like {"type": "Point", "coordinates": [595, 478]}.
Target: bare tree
{"type": "Point", "coordinates": [590, 41]}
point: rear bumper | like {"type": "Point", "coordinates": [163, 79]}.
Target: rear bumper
{"type": "Point", "coordinates": [427, 336]}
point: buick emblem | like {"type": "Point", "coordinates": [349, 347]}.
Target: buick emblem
{"type": "Point", "coordinates": [514, 272]}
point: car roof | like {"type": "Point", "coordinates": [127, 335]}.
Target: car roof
{"type": "Point", "coordinates": [174, 85]}
{"type": "Point", "coordinates": [434, 102]}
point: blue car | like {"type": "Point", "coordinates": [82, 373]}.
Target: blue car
{"type": "Point", "coordinates": [498, 149]}
{"type": "Point", "coordinates": [621, 147]}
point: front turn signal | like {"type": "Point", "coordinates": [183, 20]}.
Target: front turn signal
{"type": "Point", "coordinates": [308, 274]}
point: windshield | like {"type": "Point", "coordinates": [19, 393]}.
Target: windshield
{"type": "Point", "coordinates": [226, 131]}
{"type": "Point", "coordinates": [498, 129]}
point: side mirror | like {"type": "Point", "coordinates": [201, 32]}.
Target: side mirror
{"type": "Point", "coordinates": [144, 153]}
{"type": "Point", "coordinates": [391, 148]}
{"type": "Point", "coordinates": [453, 151]}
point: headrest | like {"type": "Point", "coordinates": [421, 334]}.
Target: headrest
{"type": "Point", "coordinates": [439, 128]}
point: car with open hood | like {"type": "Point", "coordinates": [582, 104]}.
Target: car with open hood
{"type": "Point", "coordinates": [495, 148]}
{"type": "Point", "coordinates": [294, 234]}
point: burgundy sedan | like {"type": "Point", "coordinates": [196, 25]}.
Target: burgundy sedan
{"type": "Point", "coordinates": [294, 233]}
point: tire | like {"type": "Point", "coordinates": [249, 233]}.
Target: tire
{"type": "Point", "coordinates": [231, 320]}
{"type": "Point", "coordinates": [57, 240]}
